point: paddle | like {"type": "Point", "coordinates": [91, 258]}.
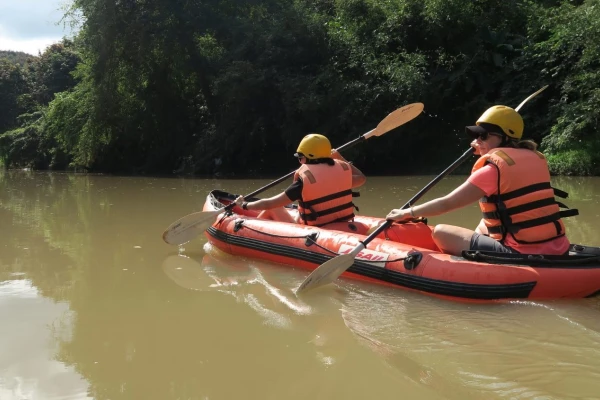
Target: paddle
{"type": "Point", "coordinates": [187, 228]}
{"type": "Point", "coordinates": [531, 96]}
{"type": "Point", "coordinates": [332, 269]}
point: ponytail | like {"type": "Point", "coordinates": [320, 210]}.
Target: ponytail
{"type": "Point", "coordinates": [521, 144]}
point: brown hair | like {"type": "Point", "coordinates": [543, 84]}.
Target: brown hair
{"type": "Point", "coordinates": [521, 144]}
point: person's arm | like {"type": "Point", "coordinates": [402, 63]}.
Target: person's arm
{"type": "Point", "coordinates": [462, 196]}
{"type": "Point", "coordinates": [279, 200]}
{"type": "Point", "coordinates": [358, 178]}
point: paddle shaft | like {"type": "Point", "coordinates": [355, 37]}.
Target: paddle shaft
{"type": "Point", "coordinates": [467, 154]}
{"type": "Point", "coordinates": [438, 178]}
{"type": "Point", "coordinates": [531, 96]}
{"type": "Point", "coordinates": [186, 228]}
{"type": "Point", "coordinates": [447, 171]}
{"type": "Point", "coordinates": [332, 269]}
{"type": "Point", "coordinates": [351, 143]}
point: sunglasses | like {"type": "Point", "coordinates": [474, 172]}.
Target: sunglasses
{"type": "Point", "coordinates": [485, 135]}
{"type": "Point", "coordinates": [300, 157]}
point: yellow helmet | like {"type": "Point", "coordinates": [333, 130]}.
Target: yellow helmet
{"type": "Point", "coordinates": [314, 146]}
{"type": "Point", "coordinates": [506, 118]}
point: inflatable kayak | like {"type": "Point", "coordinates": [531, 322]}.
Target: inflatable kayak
{"type": "Point", "coordinates": [405, 256]}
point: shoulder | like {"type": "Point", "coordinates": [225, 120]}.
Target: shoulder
{"type": "Point", "coordinates": [344, 164]}
{"type": "Point", "coordinates": [486, 179]}
{"type": "Point", "coordinates": [488, 170]}
{"type": "Point", "coordinates": [294, 191]}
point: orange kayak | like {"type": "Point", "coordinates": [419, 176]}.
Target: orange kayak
{"type": "Point", "coordinates": [405, 256]}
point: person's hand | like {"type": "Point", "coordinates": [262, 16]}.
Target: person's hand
{"type": "Point", "coordinates": [239, 200]}
{"type": "Point", "coordinates": [336, 155]}
{"type": "Point", "coordinates": [475, 146]}
{"type": "Point", "coordinates": [399, 214]}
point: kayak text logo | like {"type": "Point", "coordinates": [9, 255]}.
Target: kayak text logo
{"type": "Point", "coordinates": [367, 255]}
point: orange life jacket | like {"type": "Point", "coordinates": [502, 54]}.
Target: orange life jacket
{"type": "Point", "coordinates": [326, 193]}
{"type": "Point", "coordinates": [524, 205]}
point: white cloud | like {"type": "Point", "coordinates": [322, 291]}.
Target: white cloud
{"type": "Point", "coordinates": [30, 46]}
{"type": "Point", "coordinates": [31, 25]}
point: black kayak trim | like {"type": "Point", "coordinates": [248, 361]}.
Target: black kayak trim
{"type": "Point", "coordinates": [435, 286]}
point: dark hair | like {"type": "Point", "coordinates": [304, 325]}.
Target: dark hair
{"type": "Point", "coordinates": [327, 160]}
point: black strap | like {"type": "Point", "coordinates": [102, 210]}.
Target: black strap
{"type": "Point", "coordinates": [516, 227]}
{"type": "Point", "coordinates": [517, 193]}
{"type": "Point", "coordinates": [560, 193]}
{"type": "Point", "coordinates": [333, 196]}
{"type": "Point", "coordinates": [522, 208]}
{"type": "Point", "coordinates": [569, 213]}
{"type": "Point", "coordinates": [539, 260]}
{"type": "Point", "coordinates": [314, 215]}
{"type": "Point", "coordinates": [526, 190]}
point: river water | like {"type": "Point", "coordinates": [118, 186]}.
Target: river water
{"type": "Point", "coordinates": [94, 305]}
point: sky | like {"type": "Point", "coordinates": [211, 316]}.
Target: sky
{"type": "Point", "coordinates": [31, 25]}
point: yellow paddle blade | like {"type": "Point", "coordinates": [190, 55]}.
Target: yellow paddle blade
{"type": "Point", "coordinates": [399, 117]}
{"type": "Point", "coordinates": [187, 228]}
{"type": "Point", "coordinates": [327, 272]}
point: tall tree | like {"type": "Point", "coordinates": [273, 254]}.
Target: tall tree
{"type": "Point", "coordinates": [13, 85]}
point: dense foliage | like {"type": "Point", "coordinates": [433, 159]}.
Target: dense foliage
{"type": "Point", "coordinates": [15, 57]}
{"type": "Point", "coordinates": [230, 87]}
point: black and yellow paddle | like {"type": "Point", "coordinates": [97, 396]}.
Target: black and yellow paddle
{"type": "Point", "coordinates": [332, 269]}
{"type": "Point", "coordinates": [187, 228]}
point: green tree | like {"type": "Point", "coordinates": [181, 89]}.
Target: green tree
{"type": "Point", "coordinates": [16, 57]}
{"type": "Point", "coordinates": [13, 84]}
{"type": "Point", "coordinates": [27, 141]}
{"type": "Point", "coordinates": [231, 87]}
{"type": "Point", "coordinates": [567, 52]}
{"type": "Point", "coordinates": [52, 72]}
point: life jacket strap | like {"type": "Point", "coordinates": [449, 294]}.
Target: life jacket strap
{"type": "Point", "coordinates": [314, 215]}
{"type": "Point", "coordinates": [516, 227]}
{"type": "Point", "coordinates": [523, 191]}
{"type": "Point", "coordinates": [517, 193]}
{"type": "Point", "coordinates": [524, 207]}
{"type": "Point", "coordinates": [329, 197]}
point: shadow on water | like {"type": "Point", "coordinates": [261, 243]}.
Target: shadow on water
{"type": "Point", "coordinates": [218, 271]}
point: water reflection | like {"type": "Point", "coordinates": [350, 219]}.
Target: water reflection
{"type": "Point", "coordinates": [94, 305]}
{"type": "Point", "coordinates": [27, 367]}
{"type": "Point", "coordinates": [238, 277]}
{"type": "Point", "coordinates": [486, 349]}
{"type": "Point", "coordinates": [326, 321]}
